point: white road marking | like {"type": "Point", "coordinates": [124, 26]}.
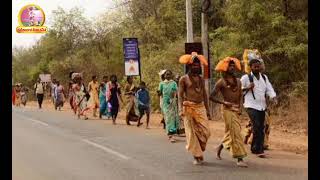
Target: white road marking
{"type": "Point", "coordinates": [35, 121]}
{"type": "Point", "coordinates": [106, 149]}
{"type": "Point", "coordinates": [39, 122]}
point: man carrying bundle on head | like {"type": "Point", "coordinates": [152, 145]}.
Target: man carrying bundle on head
{"type": "Point", "coordinates": [230, 88]}
{"type": "Point", "coordinates": [248, 55]}
{"type": "Point", "coordinates": [256, 86]}
{"type": "Point", "coordinates": [193, 106]}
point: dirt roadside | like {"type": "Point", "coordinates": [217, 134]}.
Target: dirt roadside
{"type": "Point", "coordinates": [280, 139]}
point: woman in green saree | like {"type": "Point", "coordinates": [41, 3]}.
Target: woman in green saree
{"type": "Point", "coordinates": [168, 90]}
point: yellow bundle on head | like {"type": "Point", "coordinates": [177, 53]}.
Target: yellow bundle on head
{"type": "Point", "coordinates": [250, 54]}
{"type": "Point", "coordinates": [223, 65]}
{"type": "Point", "coordinates": [188, 59]}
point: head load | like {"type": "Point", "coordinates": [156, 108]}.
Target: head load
{"type": "Point", "coordinates": [194, 62]}
{"type": "Point", "coordinates": [223, 65]}
{"type": "Point", "coordinates": [249, 55]}
{"type": "Point", "coordinates": [193, 58]}
{"type": "Point", "coordinates": [75, 75]}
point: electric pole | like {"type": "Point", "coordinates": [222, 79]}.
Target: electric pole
{"type": "Point", "coordinates": [189, 21]}
{"type": "Point", "coordinates": [205, 5]}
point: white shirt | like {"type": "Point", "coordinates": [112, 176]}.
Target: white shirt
{"type": "Point", "coordinates": [39, 88]}
{"type": "Point", "coordinates": [261, 88]}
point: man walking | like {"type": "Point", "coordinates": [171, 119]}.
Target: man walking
{"type": "Point", "coordinates": [256, 89]}
{"type": "Point", "coordinates": [230, 88]}
{"type": "Point", "coordinates": [193, 106]}
{"type": "Point", "coordinates": [39, 88]}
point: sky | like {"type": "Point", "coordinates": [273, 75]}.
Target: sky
{"type": "Point", "coordinates": [92, 8]}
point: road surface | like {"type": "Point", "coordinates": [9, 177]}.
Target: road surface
{"type": "Point", "coordinates": [50, 145]}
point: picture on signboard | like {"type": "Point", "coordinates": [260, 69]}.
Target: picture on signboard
{"type": "Point", "coordinates": [132, 67]}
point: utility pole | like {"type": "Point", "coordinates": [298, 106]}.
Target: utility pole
{"type": "Point", "coordinates": [205, 5]}
{"type": "Point", "coordinates": [189, 21]}
{"type": "Point", "coordinates": [189, 26]}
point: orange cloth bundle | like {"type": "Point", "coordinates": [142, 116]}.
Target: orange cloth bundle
{"type": "Point", "coordinates": [188, 59]}
{"type": "Point", "coordinates": [223, 64]}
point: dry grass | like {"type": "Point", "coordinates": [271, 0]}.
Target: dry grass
{"type": "Point", "coordinates": [289, 123]}
{"type": "Point", "coordinates": [292, 117]}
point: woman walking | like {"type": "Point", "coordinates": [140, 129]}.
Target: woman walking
{"type": "Point", "coordinates": [103, 98]}
{"type": "Point", "coordinates": [114, 97]}
{"type": "Point", "coordinates": [18, 95]}
{"type": "Point", "coordinates": [59, 96]}
{"type": "Point", "coordinates": [168, 90]}
{"type": "Point", "coordinates": [129, 92]}
{"type": "Point", "coordinates": [81, 98]}
{"type": "Point", "coordinates": [24, 93]}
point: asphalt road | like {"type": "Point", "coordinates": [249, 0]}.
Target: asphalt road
{"type": "Point", "coordinates": [57, 146]}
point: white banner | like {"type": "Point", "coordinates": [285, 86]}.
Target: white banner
{"type": "Point", "coordinates": [45, 77]}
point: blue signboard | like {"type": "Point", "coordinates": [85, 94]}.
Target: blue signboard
{"type": "Point", "coordinates": [131, 56]}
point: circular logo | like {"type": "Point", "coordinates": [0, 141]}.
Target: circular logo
{"type": "Point", "coordinates": [31, 15]}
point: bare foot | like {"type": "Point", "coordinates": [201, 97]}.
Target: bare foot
{"type": "Point", "coordinates": [242, 164]}
{"type": "Point", "coordinates": [219, 149]}
{"type": "Point", "coordinates": [262, 155]}
{"type": "Point", "coordinates": [201, 159]}
{"type": "Point", "coordinates": [246, 138]}
{"type": "Point", "coordinates": [172, 140]}
{"type": "Point", "coordinates": [198, 161]}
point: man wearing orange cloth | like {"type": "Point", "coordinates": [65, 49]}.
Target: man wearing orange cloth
{"type": "Point", "coordinates": [193, 106]}
{"type": "Point", "coordinates": [230, 88]}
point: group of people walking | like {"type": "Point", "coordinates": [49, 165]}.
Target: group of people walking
{"type": "Point", "coordinates": [250, 92]}
{"type": "Point", "coordinates": [184, 103]}
{"type": "Point", "coordinates": [106, 96]}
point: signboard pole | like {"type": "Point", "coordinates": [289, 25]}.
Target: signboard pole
{"type": "Point", "coordinates": [140, 74]}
